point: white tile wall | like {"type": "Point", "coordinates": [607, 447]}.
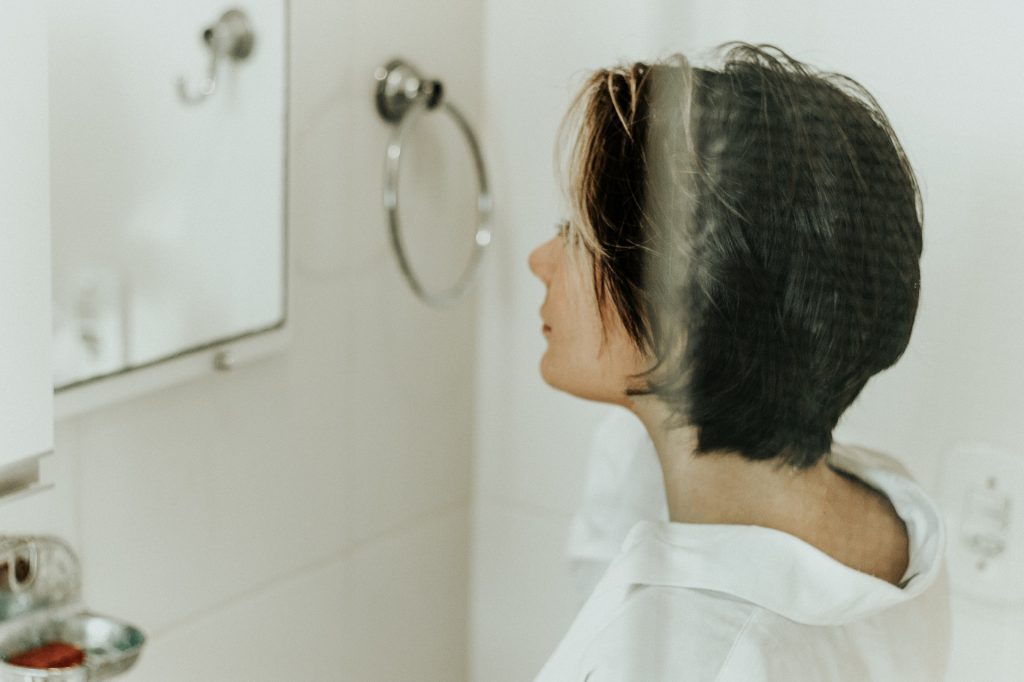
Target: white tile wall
{"type": "Point", "coordinates": [391, 609]}
{"type": "Point", "coordinates": [523, 596]}
{"type": "Point", "coordinates": [307, 513]}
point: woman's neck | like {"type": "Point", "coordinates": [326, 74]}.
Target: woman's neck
{"type": "Point", "coordinates": [837, 514]}
{"type": "Point", "coordinates": [725, 487]}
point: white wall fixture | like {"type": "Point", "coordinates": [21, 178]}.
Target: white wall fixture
{"type": "Point", "coordinates": [168, 154]}
{"type": "Point", "coordinates": [982, 489]}
{"type": "Point", "coordinates": [26, 397]}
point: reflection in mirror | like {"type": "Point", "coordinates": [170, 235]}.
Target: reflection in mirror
{"type": "Point", "coordinates": [168, 169]}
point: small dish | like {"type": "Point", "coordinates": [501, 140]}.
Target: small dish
{"type": "Point", "coordinates": [111, 647]}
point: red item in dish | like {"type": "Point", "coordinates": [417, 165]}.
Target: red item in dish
{"type": "Point", "coordinates": [52, 655]}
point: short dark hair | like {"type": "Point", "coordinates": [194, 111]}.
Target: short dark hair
{"type": "Point", "coordinates": [757, 229]}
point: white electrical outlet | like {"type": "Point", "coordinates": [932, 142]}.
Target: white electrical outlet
{"type": "Point", "coordinates": [982, 493]}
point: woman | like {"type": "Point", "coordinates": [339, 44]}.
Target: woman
{"type": "Point", "coordinates": [742, 256]}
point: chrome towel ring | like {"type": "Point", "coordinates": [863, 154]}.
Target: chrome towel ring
{"type": "Point", "coordinates": [402, 96]}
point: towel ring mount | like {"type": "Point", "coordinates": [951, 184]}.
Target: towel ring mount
{"type": "Point", "coordinates": [402, 95]}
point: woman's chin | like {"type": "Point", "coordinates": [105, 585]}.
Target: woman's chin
{"type": "Point", "coordinates": [563, 381]}
{"type": "Point", "coordinates": [545, 371]}
{"type": "Point", "coordinates": [550, 374]}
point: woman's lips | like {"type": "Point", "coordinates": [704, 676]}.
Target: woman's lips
{"type": "Point", "coordinates": [545, 329]}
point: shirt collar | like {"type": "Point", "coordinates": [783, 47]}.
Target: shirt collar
{"type": "Point", "coordinates": [780, 572]}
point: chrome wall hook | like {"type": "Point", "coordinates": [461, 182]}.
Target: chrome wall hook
{"type": "Point", "coordinates": [231, 37]}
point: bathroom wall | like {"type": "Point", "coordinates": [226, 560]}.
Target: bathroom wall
{"type": "Point", "coordinates": [945, 74]}
{"type": "Point", "coordinates": [306, 516]}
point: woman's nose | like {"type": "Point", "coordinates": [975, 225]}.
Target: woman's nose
{"type": "Point", "coordinates": [538, 262]}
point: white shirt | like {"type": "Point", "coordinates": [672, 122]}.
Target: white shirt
{"type": "Point", "coordinates": [747, 603]}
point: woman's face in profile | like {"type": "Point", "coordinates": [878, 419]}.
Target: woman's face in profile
{"type": "Point", "coordinates": [575, 361]}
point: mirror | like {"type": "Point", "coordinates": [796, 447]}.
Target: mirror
{"type": "Point", "coordinates": [179, 244]}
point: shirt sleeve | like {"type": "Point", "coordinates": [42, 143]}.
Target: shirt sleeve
{"type": "Point", "coordinates": [623, 484]}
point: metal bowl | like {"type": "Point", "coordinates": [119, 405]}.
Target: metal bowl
{"type": "Point", "coordinates": [111, 647]}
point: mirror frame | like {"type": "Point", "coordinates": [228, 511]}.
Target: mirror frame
{"type": "Point", "coordinates": [191, 363]}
